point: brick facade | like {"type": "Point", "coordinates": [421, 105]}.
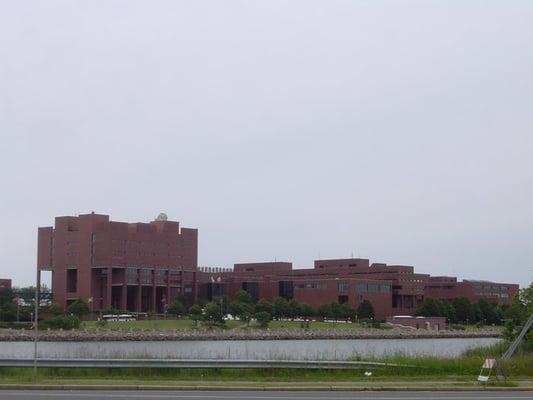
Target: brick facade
{"type": "Point", "coordinates": [142, 266]}
{"type": "Point", "coordinates": [392, 289]}
{"type": "Point", "coordinates": [129, 266]}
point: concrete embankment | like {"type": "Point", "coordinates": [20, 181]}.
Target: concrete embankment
{"type": "Point", "coordinates": [7, 335]}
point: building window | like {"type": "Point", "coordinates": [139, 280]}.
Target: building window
{"type": "Point", "coordinates": [72, 280]}
{"type": "Point", "coordinates": [373, 287]}
{"type": "Point", "coordinates": [343, 286]}
{"type": "Point", "coordinates": [384, 288]}
{"type": "Point", "coordinates": [252, 288]}
{"type": "Point", "coordinates": [362, 287]}
{"type": "Point", "coordinates": [343, 299]}
{"type": "Point", "coordinates": [286, 289]}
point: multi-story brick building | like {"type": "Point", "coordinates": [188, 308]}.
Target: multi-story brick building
{"type": "Point", "coordinates": [392, 289]}
{"type": "Point", "coordinates": [142, 266]}
{"type": "Point", "coordinates": [133, 266]}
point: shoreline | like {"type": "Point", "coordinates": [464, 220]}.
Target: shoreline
{"type": "Point", "coordinates": [162, 335]}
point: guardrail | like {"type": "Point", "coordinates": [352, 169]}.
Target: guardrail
{"type": "Point", "coordinates": [187, 364]}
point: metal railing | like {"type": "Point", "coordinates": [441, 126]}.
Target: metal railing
{"type": "Point", "coordinates": [189, 364]}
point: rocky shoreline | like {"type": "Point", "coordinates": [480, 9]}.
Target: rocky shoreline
{"type": "Point", "coordinates": [106, 335]}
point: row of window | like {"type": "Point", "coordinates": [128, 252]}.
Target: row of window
{"type": "Point", "coordinates": [373, 288]}
{"type": "Point", "coordinates": [119, 253]}
{"type": "Point", "coordinates": [494, 294]}
{"type": "Point", "coordinates": [311, 285]}
{"type": "Point", "coordinates": [493, 288]}
{"type": "Point", "coordinates": [132, 243]}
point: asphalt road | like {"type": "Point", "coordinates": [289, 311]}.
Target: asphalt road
{"type": "Point", "coordinates": [262, 395]}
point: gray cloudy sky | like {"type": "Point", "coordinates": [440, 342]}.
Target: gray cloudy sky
{"type": "Point", "coordinates": [400, 131]}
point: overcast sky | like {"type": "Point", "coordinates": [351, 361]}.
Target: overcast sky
{"type": "Point", "coordinates": [398, 131]}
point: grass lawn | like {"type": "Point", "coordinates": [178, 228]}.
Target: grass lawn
{"type": "Point", "coordinates": [150, 324]}
{"type": "Point", "coordinates": [426, 372]}
{"type": "Point", "coordinates": [190, 324]}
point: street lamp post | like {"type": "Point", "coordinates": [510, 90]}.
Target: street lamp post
{"type": "Point", "coordinates": [36, 324]}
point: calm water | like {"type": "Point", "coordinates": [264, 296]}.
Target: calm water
{"type": "Point", "coordinates": [338, 349]}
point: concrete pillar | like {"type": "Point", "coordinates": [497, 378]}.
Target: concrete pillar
{"type": "Point", "coordinates": [124, 297]}
{"type": "Point", "coordinates": [109, 287]}
{"type": "Point", "coordinates": [167, 296]}
{"type": "Point", "coordinates": [139, 299]}
{"type": "Point", "coordinates": [154, 287]}
{"type": "Point", "coordinates": [194, 287]}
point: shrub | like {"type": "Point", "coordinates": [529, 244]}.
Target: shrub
{"type": "Point", "coordinates": [101, 323]}
{"type": "Point", "coordinates": [195, 313]}
{"type": "Point", "coordinates": [176, 308]}
{"type": "Point", "coordinates": [62, 322]}
{"type": "Point", "coordinates": [15, 325]}
{"type": "Point", "coordinates": [365, 310]}
{"type": "Point", "coordinates": [55, 309]}
{"type": "Point", "coordinates": [263, 319]}
{"type": "Point", "coordinates": [264, 305]}
{"type": "Point", "coordinates": [213, 314]}
{"type": "Point", "coordinates": [79, 308]}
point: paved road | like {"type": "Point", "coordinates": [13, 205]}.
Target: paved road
{"type": "Point", "coordinates": [225, 395]}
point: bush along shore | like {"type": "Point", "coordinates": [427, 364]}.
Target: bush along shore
{"type": "Point", "coordinates": [239, 334]}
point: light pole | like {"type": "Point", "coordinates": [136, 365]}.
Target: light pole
{"type": "Point", "coordinates": [36, 324]}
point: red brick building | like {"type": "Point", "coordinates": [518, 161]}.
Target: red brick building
{"type": "Point", "coordinates": [129, 266]}
{"type": "Point", "coordinates": [392, 289]}
{"type": "Point", "coordinates": [5, 284]}
{"type": "Point", "coordinates": [142, 266]}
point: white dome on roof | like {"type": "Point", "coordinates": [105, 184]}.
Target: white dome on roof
{"type": "Point", "coordinates": [162, 217]}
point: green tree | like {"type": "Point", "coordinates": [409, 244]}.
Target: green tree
{"type": "Point", "coordinates": [365, 310]}
{"type": "Point", "coordinates": [308, 311]}
{"type": "Point", "coordinates": [490, 312]}
{"type": "Point", "coordinates": [336, 310]}
{"type": "Point", "coordinates": [263, 319]}
{"type": "Point", "coordinates": [463, 309]}
{"type": "Point", "coordinates": [6, 296]}
{"type": "Point", "coordinates": [212, 313]}
{"type": "Point", "coordinates": [324, 310]}
{"type": "Point", "coordinates": [62, 322]}
{"type": "Point", "coordinates": [8, 311]}
{"type": "Point", "coordinates": [280, 308]}
{"type": "Point", "coordinates": [347, 311]}
{"type": "Point", "coordinates": [243, 296]}
{"type": "Point", "coordinates": [176, 308]}
{"type": "Point", "coordinates": [263, 305]}
{"type": "Point", "coordinates": [196, 314]}
{"type": "Point", "coordinates": [449, 311]}
{"type": "Point", "coordinates": [477, 314]}
{"type": "Point", "coordinates": [430, 308]}
{"type": "Point", "coordinates": [56, 309]}
{"type": "Point", "coordinates": [79, 308]}
{"type": "Point", "coordinates": [517, 311]}
{"type": "Point", "coordinates": [295, 309]}
{"type": "Point", "coordinates": [234, 308]}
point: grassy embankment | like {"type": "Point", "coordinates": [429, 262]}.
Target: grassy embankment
{"type": "Point", "coordinates": [459, 371]}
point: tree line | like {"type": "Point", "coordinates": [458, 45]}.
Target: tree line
{"type": "Point", "coordinates": [462, 310]}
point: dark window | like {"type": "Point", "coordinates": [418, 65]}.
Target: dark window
{"type": "Point", "coordinates": [286, 289]}
{"type": "Point", "coordinates": [384, 288]}
{"type": "Point", "coordinates": [72, 280]}
{"type": "Point", "coordinates": [373, 287]}
{"type": "Point", "coordinates": [252, 288]}
{"type": "Point", "coordinates": [343, 299]}
{"type": "Point", "coordinates": [343, 286]}
{"type": "Point", "coordinates": [215, 291]}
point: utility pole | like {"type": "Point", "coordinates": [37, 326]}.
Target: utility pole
{"type": "Point", "coordinates": [36, 323]}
